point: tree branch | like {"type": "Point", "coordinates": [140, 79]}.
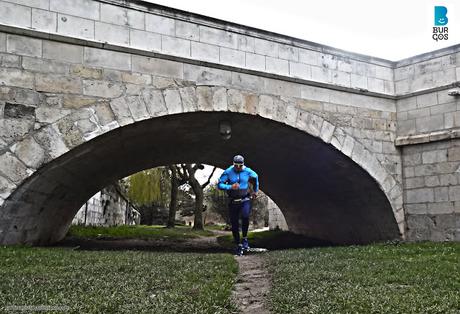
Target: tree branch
{"type": "Point", "coordinates": [209, 179]}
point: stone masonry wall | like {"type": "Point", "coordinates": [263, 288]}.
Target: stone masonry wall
{"type": "Point", "coordinates": [432, 190]}
{"type": "Point", "coordinates": [147, 27]}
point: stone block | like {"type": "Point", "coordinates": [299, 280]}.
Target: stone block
{"type": "Point", "coordinates": [18, 111]}
{"type": "Point", "coordinates": [235, 100]}
{"type": "Point", "coordinates": [406, 127]}
{"type": "Point", "coordinates": [218, 37]}
{"type": "Point", "coordinates": [431, 123]}
{"type": "Point", "coordinates": [427, 100]}
{"type": "Point", "coordinates": [432, 181]}
{"type": "Point", "coordinates": [13, 168]}
{"type": "Point", "coordinates": [75, 26]}
{"type": "Point", "coordinates": [170, 69]}
{"type": "Point", "coordinates": [14, 129]}
{"type": "Point", "coordinates": [300, 70]}
{"type": "Point", "coordinates": [277, 66]}
{"type": "Point", "coordinates": [444, 77]}
{"type": "Point", "coordinates": [384, 73]}
{"type": "Point", "coordinates": [45, 66]}
{"type": "Point", "coordinates": [86, 72]}
{"type": "Point", "coordinates": [44, 21]}
{"type": "Point", "coordinates": [6, 187]}
{"type": "Point", "coordinates": [417, 209]}
{"type": "Point", "coordinates": [136, 78]}
{"type": "Point", "coordinates": [17, 78]}
{"type": "Point", "coordinates": [323, 75]}
{"type": "Point", "coordinates": [205, 52]}
{"type": "Point", "coordinates": [423, 195]}
{"type": "Point", "coordinates": [204, 98]}
{"type": "Point", "coordinates": [104, 114]}
{"type": "Point", "coordinates": [207, 76]}
{"type": "Point", "coordinates": [328, 61]}
{"type": "Point", "coordinates": [15, 15]}
{"type": "Point", "coordinates": [266, 107]}
{"type": "Point", "coordinates": [247, 81]}
{"type": "Point", "coordinates": [173, 101]}
{"type": "Point", "coordinates": [25, 46]}
{"type": "Point", "coordinates": [246, 43]}
{"type": "Point", "coordinates": [85, 8]}
{"type": "Point", "coordinates": [358, 81]}
{"type": "Point", "coordinates": [113, 34]}
{"type": "Point", "coordinates": [220, 99]}
{"type": "Point", "coordinates": [418, 113]}
{"type": "Point", "coordinates": [309, 57]}
{"type": "Point", "coordinates": [137, 107]}
{"type": "Point", "coordinates": [402, 87]}
{"type": "Point", "coordinates": [189, 99]}
{"type": "Point", "coordinates": [409, 172]}
{"type": "Point", "coordinates": [434, 156]}
{"type": "Point", "coordinates": [29, 152]}
{"type": "Point", "coordinates": [444, 108]}
{"type": "Point", "coordinates": [327, 130]}
{"type": "Point", "coordinates": [121, 111]}
{"type": "Point", "coordinates": [413, 183]}
{"type": "Point", "coordinates": [160, 24]}
{"type": "Point", "coordinates": [344, 65]}
{"type": "Point", "coordinates": [102, 89]}
{"type": "Point", "coordinates": [454, 193]}
{"type": "Point", "coordinates": [121, 16]}
{"type": "Point", "coordinates": [341, 78]}
{"type": "Point", "coordinates": [52, 141]}
{"type": "Point", "coordinates": [77, 101]}
{"type": "Point", "coordinates": [62, 52]}
{"type": "Point", "coordinates": [281, 88]}
{"type": "Point", "coordinates": [441, 194]}
{"type": "Point", "coordinates": [2, 42]}
{"type": "Point", "coordinates": [454, 153]}
{"type": "Point", "coordinates": [154, 102]}
{"type": "Point", "coordinates": [266, 48]}
{"type": "Point", "coordinates": [57, 84]}
{"type": "Point", "coordinates": [440, 208]}
{"type": "Point", "coordinates": [187, 30]}
{"type": "Point", "coordinates": [40, 4]}
{"type": "Point", "coordinates": [255, 62]}
{"type": "Point", "coordinates": [375, 85]}
{"type": "Point", "coordinates": [175, 46]}
{"type": "Point", "coordinates": [107, 59]}
{"type": "Point", "coordinates": [288, 52]}
{"type": "Point", "coordinates": [145, 40]}
{"type": "Point", "coordinates": [389, 87]}
{"type": "Point", "coordinates": [232, 57]}
{"type": "Point", "coordinates": [404, 73]}
{"type": "Point", "coordinates": [315, 93]}
{"type": "Point", "coordinates": [50, 114]}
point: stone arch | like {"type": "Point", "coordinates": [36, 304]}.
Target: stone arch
{"type": "Point", "coordinates": [68, 129]}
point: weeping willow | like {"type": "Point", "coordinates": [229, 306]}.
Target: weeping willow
{"type": "Point", "coordinates": [149, 187]}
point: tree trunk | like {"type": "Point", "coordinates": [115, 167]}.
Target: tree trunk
{"type": "Point", "coordinates": [174, 192]}
{"type": "Point", "coordinates": [199, 198]}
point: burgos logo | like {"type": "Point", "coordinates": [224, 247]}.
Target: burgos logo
{"type": "Point", "coordinates": [440, 30]}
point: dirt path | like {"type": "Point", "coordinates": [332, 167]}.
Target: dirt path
{"type": "Point", "coordinates": [252, 285]}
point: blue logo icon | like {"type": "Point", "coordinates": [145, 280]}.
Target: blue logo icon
{"type": "Point", "coordinates": [440, 16]}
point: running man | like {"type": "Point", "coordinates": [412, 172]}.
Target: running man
{"type": "Point", "coordinates": [235, 180]}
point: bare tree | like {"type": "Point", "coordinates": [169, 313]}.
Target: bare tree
{"type": "Point", "coordinates": [189, 171]}
{"type": "Point", "coordinates": [178, 178]}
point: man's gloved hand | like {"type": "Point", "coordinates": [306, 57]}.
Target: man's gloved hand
{"type": "Point", "coordinates": [235, 186]}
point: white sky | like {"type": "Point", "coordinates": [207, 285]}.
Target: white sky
{"type": "Point", "coordinates": [389, 29]}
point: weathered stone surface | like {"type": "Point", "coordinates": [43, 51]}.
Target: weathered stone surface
{"type": "Point", "coordinates": [207, 76]}
{"type": "Point", "coordinates": [232, 57]}
{"type": "Point", "coordinates": [266, 107]}
{"type": "Point", "coordinates": [173, 101]}
{"type": "Point", "coordinates": [154, 102]}
{"type": "Point", "coordinates": [159, 67]}
{"type": "Point", "coordinates": [235, 100]}
{"type": "Point", "coordinates": [77, 101]}
{"type": "Point", "coordinates": [50, 114]}
{"type": "Point", "coordinates": [45, 66]}
{"type": "Point", "coordinates": [29, 152]}
{"type": "Point", "coordinates": [136, 78]}
{"type": "Point", "coordinates": [137, 107]}
{"type": "Point", "coordinates": [62, 52]}
{"type": "Point", "coordinates": [85, 8]}
{"type": "Point", "coordinates": [204, 98]}
{"type": "Point", "coordinates": [108, 59]}
{"type": "Point", "coordinates": [175, 46]}
{"type": "Point", "coordinates": [86, 72]}
{"type": "Point", "coordinates": [16, 77]}
{"type": "Point", "coordinates": [420, 195]}
{"type": "Point", "coordinates": [218, 37]}
{"type": "Point", "coordinates": [12, 168]}
{"type": "Point", "coordinates": [57, 84]}
{"type": "Point", "coordinates": [52, 141]}
{"type": "Point", "coordinates": [255, 62]}
{"type": "Point", "coordinates": [104, 113]}
{"type": "Point", "coordinates": [160, 24]}
{"type": "Point", "coordinates": [220, 99]}
{"type": "Point", "coordinates": [6, 187]}
{"type": "Point", "coordinates": [18, 111]}
{"type": "Point", "coordinates": [102, 89]}
{"type": "Point", "coordinates": [121, 110]}
{"type": "Point", "coordinates": [187, 30]}
{"type": "Point", "coordinates": [44, 21]}
{"type": "Point", "coordinates": [14, 129]}
{"type": "Point", "coordinates": [116, 34]}
{"type": "Point", "coordinates": [189, 99]}
{"type": "Point", "coordinates": [205, 52]}
{"type": "Point", "coordinates": [16, 15]}
{"type": "Point", "coordinates": [75, 26]}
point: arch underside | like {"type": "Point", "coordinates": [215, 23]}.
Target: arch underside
{"type": "Point", "coordinates": [321, 192]}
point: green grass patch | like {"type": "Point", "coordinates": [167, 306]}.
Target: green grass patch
{"type": "Point", "coordinates": [137, 231]}
{"type": "Point", "coordinates": [383, 278]}
{"type": "Point", "coordinates": [116, 282]}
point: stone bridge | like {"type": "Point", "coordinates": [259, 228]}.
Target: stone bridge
{"type": "Point", "coordinates": [353, 149]}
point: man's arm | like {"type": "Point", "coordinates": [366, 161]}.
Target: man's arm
{"type": "Point", "coordinates": [255, 177]}
{"type": "Point", "coordinates": [223, 182]}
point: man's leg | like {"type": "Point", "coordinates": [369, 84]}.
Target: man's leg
{"type": "Point", "coordinates": [245, 213]}
{"type": "Point", "coordinates": [234, 212]}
